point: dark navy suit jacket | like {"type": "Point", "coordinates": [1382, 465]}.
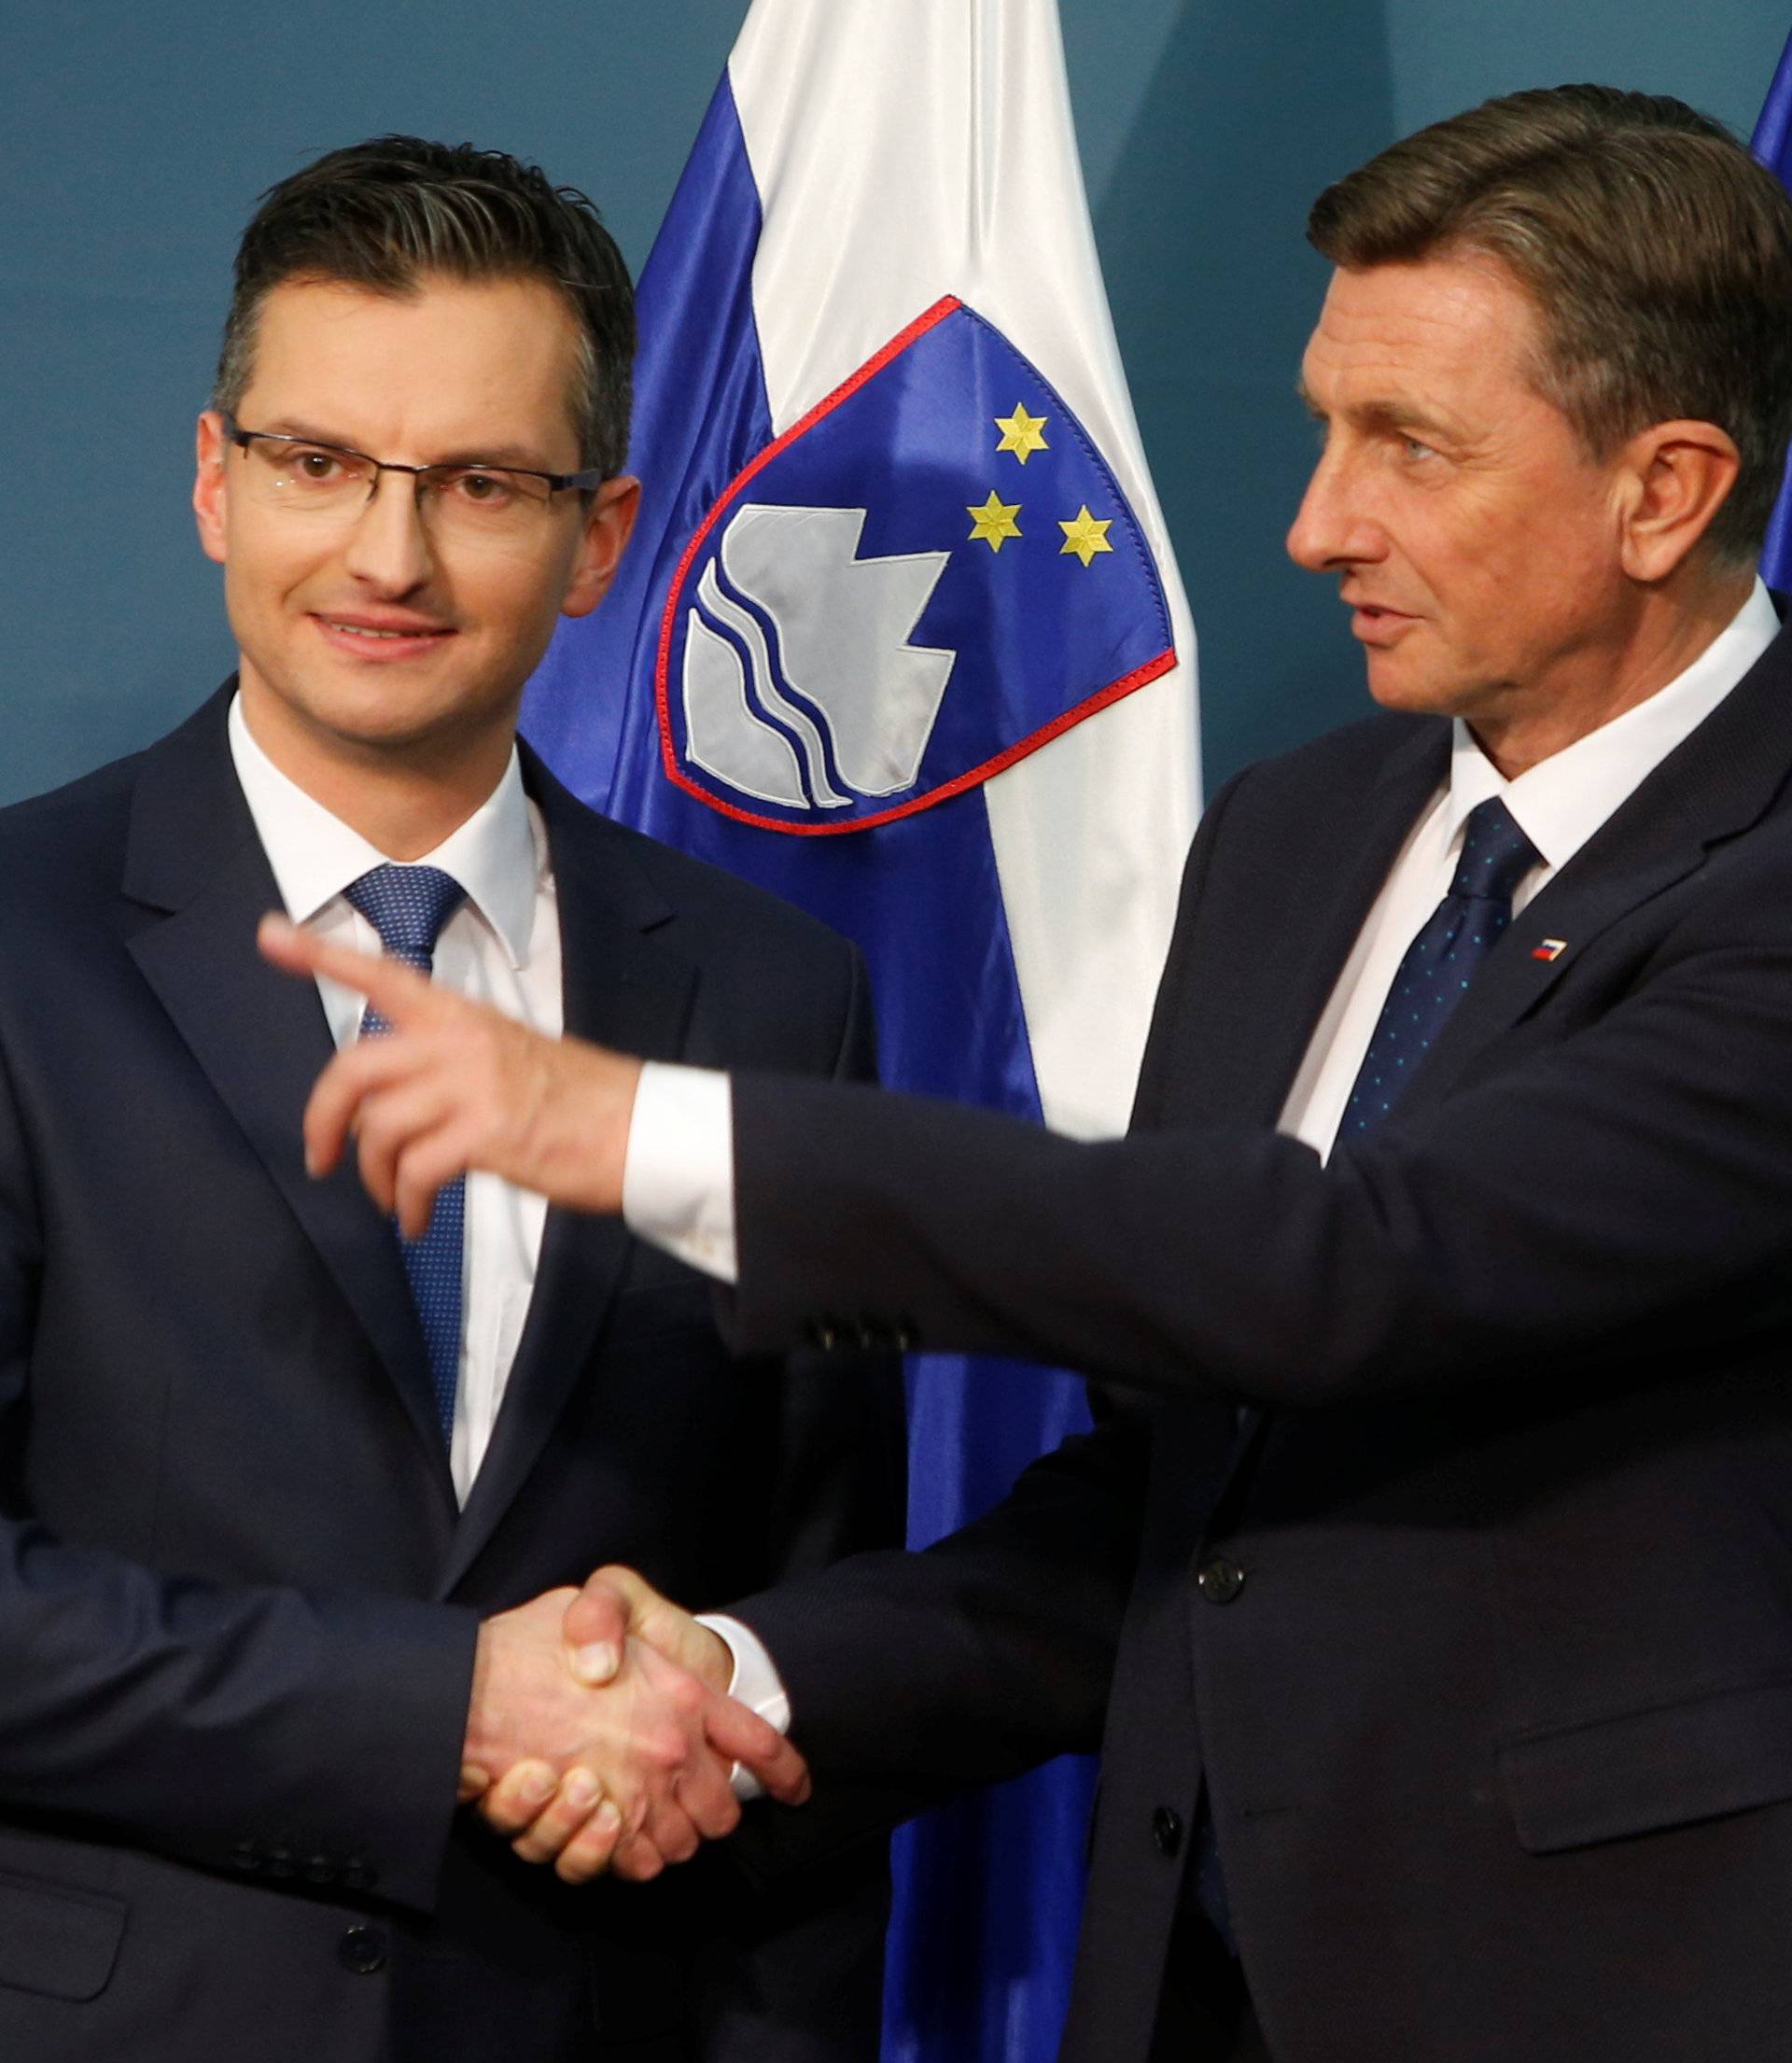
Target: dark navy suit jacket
{"type": "Point", "coordinates": [1482, 1645]}
{"type": "Point", "coordinates": [237, 1600]}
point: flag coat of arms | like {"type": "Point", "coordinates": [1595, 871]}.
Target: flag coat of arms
{"type": "Point", "coordinates": [899, 637]}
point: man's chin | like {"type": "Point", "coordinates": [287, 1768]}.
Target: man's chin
{"type": "Point", "coordinates": [1396, 683]}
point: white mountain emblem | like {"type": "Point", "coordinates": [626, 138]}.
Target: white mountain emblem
{"type": "Point", "coordinates": [817, 664]}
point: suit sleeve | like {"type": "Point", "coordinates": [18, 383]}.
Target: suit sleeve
{"type": "Point", "coordinates": [257, 1729]}
{"type": "Point", "coordinates": [1560, 1212]}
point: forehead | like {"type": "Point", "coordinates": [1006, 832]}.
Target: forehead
{"type": "Point", "coordinates": [451, 366]}
{"type": "Point", "coordinates": [1454, 331]}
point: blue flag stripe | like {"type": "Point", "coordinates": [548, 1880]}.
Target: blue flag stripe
{"type": "Point", "coordinates": [1772, 145]}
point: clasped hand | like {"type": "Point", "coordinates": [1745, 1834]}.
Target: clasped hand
{"type": "Point", "coordinates": [593, 1749]}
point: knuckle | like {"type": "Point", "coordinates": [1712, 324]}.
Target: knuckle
{"type": "Point", "coordinates": [663, 1747]}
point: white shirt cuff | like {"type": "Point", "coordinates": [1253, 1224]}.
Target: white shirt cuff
{"type": "Point", "coordinates": [679, 1169]}
{"type": "Point", "coordinates": [755, 1684]}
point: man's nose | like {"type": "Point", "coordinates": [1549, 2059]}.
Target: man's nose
{"type": "Point", "coordinates": [1332, 529]}
{"type": "Point", "coordinates": [388, 547]}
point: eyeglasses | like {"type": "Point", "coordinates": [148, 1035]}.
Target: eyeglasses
{"type": "Point", "coordinates": [464, 498]}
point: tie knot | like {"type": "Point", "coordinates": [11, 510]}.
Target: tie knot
{"type": "Point", "coordinates": [1496, 855]}
{"type": "Point", "coordinates": [407, 906]}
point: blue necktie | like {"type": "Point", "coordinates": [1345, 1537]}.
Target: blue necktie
{"type": "Point", "coordinates": [1441, 961]}
{"type": "Point", "coordinates": [408, 907]}
{"type": "Point", "coordinates": [1427, 985]}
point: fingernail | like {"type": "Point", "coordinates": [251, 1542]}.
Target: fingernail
{"type": "Point", "coordinates": [596, 1664]}
{"type": "Point", "coordinates": [472, 1780]}
{"type": "Point", "coordinates": [537, 1785]}
{"type": "Point", "coordinates": [579, 1788]}
{"type": "Point", "coordinates": [805, 1791]}
{"type": "Point", "coordinates": [606, 1821]}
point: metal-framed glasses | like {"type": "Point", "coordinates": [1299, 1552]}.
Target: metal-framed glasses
{"type": "Point", "coordinates": [464, 497]}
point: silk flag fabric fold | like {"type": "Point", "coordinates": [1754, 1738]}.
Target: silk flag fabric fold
{"type": "Point", "coordinates": [1772, 145]}
{"type": "Point", "coordinates": [899, 637]}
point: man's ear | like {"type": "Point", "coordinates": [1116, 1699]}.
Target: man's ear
{"type": "Point", "coordinates": [607, 523]}
{"type": "Point", "coordinates": [209, 491]}
{"type": "Point", "coordinates": [1676, 478]}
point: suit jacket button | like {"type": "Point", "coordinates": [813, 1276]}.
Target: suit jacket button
{"type": "Point", "coordinates": [319, 1869]}
{"type": "Point", "coordinates": [280, 1862]}
{"type": "Point", "coordinates": [1166, 1829]}
{"type": "Point", "coordinates": [246, 1855]}
{"type": "Point", "coordinates": [363, 1950]}
{"type": "Point", "coordinates": [824, 1333]}
{"type": "Point", "coordinates": [358, 1875]}
{"type": "Point", "coordinates": [1220, 1582]}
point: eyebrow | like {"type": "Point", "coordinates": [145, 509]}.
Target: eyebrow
{"type": "Point", "coordinates": [483, 455]}
{"type": "Point", "coordinates": [1375, 415]}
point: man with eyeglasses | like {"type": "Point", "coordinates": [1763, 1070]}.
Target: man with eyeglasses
{"type": "Point", "coordinates": [293, 1504]}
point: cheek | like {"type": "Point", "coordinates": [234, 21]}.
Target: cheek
{"type": "Point", "coordinates": [259, 571]}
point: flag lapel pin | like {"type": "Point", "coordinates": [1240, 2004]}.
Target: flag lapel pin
{"type": "Point", "coordinates": [1551, 949]}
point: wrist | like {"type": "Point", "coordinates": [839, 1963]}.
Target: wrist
{"type": "Point", "coordinates": [593, 1112]}
{"type": "Point", "coordinates": [715, 1661]}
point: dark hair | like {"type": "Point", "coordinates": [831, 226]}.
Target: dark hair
{"type": "Point", "coordinates": [386, 213]}
{"type": "Point", "coordinates": [1657, 252]}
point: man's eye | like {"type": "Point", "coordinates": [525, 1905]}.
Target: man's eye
{"type": "Point", "coordinates": [310, 462]}
{"type": "Point", "coordinates": [1411, 447]}
{"type": "Point", "coordinates": [489, 490]}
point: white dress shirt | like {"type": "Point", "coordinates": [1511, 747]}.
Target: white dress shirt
{"type": "Point", "coordinates": [502, 946]}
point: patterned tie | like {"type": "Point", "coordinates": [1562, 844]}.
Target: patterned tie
{"type": "Point", "coordinates": [408, 905]}
{"type": "Point", "coordinates": [1440, 962]}
{"type": "Point", "coordinates": [1427, 985]}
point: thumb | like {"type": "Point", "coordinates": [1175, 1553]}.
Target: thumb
{"type": "Point", "coordinates": [595, 1626]}
{"type": "Point", "coordinates": [616, 1602]}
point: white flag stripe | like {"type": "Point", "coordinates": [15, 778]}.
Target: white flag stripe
{"type": "Point", "coordinates": [1090, 832]}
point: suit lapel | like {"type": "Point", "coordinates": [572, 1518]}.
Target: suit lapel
{"type": "Point", "coordinates": [1715, 784]}
{"type": "Point", "coordinates": [260, 1037]}
{"type": "Point", "coordinates": [623, 987]}
{"type": "Point", "coordinates": [1290, 940]}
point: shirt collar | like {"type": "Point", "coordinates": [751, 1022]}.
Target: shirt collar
{"type": "Point", "coordinates": [1561, 802]}
{"type": "Point", "coordinates": [498, 855]}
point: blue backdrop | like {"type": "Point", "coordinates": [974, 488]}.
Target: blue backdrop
{"type": "Point", "coordinates": [136, 137]}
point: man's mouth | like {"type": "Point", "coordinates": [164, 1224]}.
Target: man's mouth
{"type": "Point", "coordinates": [384, 637]}
{"type": "Point", "coordinates": [1373, 623]}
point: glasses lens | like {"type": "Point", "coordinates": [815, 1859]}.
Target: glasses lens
{"type": "Point", "coordinates": [307, 476]}
{"type": "Point", "coordinates": [483, 501]}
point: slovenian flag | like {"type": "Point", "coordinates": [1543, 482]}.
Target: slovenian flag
{"type": "Point", "coordinates": [1772, 145]}
{"type": "Point", "coordinates": [899, 637]}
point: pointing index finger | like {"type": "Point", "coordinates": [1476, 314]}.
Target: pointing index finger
{"type": "Point", "coordinates": [400, 994]}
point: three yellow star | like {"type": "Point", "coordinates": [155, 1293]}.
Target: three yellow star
{"type": "Point", "coordinates": [1021, 433]}
{"type": "Point", "coordinates": [1087, 536]}
{"type": "Point", "coordinates": [994, 522]}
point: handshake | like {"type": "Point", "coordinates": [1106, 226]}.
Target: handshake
{"type": "Point", "coordinates": [600, 1734]}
